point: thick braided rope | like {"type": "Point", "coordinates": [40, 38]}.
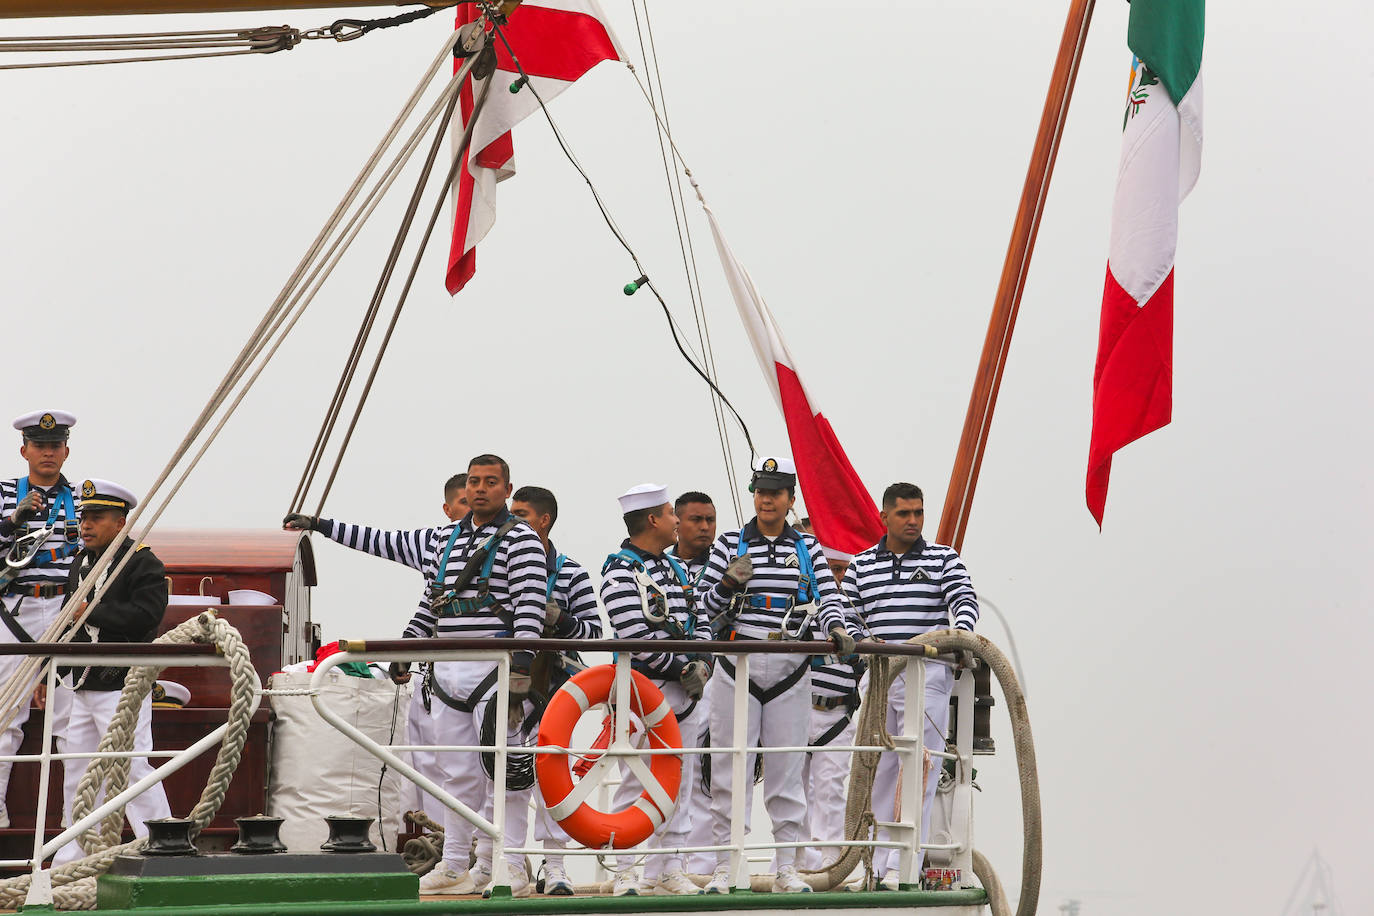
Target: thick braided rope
{"type": "Point", "coordinates": [859, 805]}
{"type": "Point", "coordinates": [424, 852]}
{"type": "Point", "coordinates": [74, 885]}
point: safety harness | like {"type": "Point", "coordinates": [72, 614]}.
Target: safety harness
{"type": "Point", "coordinates": [653, 602]}
{"type": "Point", "coordinates": [27, 552]}
{"type": "Point", "coordinates": [444, 601]}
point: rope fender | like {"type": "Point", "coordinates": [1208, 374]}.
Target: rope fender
{"type": "Point", "coordinates": [74, 884]}
{"type": "Point", "coordinates": [872, 730]}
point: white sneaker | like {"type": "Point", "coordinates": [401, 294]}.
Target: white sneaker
{"type": "Point", "coordinates": [676, 883]}
{"type": "Point", "coordinates": [444, 879]}
{"type": "Point", "coordinates": [626, 884]}
{"type": "Point", "coordinates": [481, 875]}
{"type": "Point", "coordinates": [520, 885]}
{"type": "Point", "coordinates": [720, 880]}
{"type": "Point", "coordinates": [789, 882]}
{"type": "Point", "coordinates": [889, 881]}
{"type": "Point", "coordinates": [556, 883]}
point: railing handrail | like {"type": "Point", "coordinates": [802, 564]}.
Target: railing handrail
{"type": "Point", "coordinates": [686, 646]}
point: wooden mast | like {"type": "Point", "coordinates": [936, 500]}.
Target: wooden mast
{"type": "Point", "coordinates": [977, 423]}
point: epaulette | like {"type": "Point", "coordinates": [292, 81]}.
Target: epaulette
{"type": "Point", "coordinates": [140, 547]}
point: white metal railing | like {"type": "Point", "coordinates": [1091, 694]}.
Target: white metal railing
{"type": "Point", "coordinates": [40, 890]}
{"type": "Point", "coordinates": [910, 743]}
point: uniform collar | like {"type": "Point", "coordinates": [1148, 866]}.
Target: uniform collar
{"type": "Point", "coordinates": [466, 521]}
{"type": "Point", "coordinates": [61, 482]}
{"type": "Point", "coordinates": [551, 558]}
{"type": "Point", "coordinates": [638, 551]}
{"type": "Point", "coordinates": [119, 547]}
{"type": "Point", "coordinates": [916, 548]}
{"type": "Point", "coordinates": [750, 532]}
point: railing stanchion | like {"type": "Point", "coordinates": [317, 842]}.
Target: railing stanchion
{"type": "Point", "coordinates": [739, 776]}
{"type": "Point", "coordinates": [912, 789]}
{"type": "Point", "coordinates": [500, 874]}
{"type": "Point", "coordinates": [40, 887]}
{"type": "Point", "coordinates": [961, 821]}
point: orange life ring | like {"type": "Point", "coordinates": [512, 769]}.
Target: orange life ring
{"type": "Point", "coordinates": [593, 828]}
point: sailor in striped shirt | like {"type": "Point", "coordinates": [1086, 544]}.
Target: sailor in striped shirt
{"type": "Point", "coordinates": [41, 501]}
{"type": "Point", "coordinates": [901, 587]}
{"type": "Point", "coordinates": [773, 580]}
{"type": "Point", "coordinates": [696, 532]}
{"type": "Point", "coordinates": [485, 578]}
{"type": "Point", "coordinates": [572, 612]}
{"type": "Point", "coordinates": [648, 595]}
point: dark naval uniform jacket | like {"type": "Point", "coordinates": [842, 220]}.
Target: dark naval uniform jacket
{"type": "Point", "coordinates": [130, 609]}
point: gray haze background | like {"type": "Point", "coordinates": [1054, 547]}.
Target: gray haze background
{"type": "Point", "coordinates": [1196, 671]}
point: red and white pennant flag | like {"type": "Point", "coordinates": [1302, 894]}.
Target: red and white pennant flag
{"type": "Point", "coordinates": [843, 514]}
{"type": "Point", "coordinates": [556, 41]}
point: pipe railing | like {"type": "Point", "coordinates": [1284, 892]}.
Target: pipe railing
{"type": "Point", "coordinates": [905, 831]}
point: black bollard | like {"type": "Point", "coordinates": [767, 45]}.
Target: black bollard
{"type": "Point", "coordinates": [258, 835]}
{"type": "Point", "coordinates": [348, 834]}
{"type": "Point", "coordinates": [170, 836]}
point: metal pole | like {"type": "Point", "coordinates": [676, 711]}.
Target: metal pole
{"type": "Point", "coordinates": [739, 778]}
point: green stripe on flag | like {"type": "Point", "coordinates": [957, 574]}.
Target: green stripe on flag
{"type": "Point", "coordinates": [1167, 36]}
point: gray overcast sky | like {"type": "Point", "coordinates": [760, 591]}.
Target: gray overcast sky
{"type": "Point", "coordinates": [1195, 668]}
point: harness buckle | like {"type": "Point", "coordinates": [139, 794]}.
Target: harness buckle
{"type": "Point", "coordinates": [26, 548]}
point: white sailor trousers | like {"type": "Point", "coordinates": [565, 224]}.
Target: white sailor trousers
{"type": "Point", "coordinates": [464, 777]}
{"type": "Point", "coordinates": [824, 776]}
{"type": "Point", "coordinates": [87, 715]}
{"type": "Point", "coordinates": [673, 832]}
{"type": "Point", "coordinates": [702, 831]}
{"type": "Point", "coordinates": [781, 722]}
{"type": "Point", "coordinates": [422, 731]}
{"type": "Point", "coordinates": [35, 616]}
{"type": "Point", "coordinates": [939, 683]}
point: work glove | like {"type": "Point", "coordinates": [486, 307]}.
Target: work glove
{"type": "Point", "coordinates": [295, 521]}
{"type": "Point", "coordinates": [519, 692]}
{"type": "Point", "coordinates": [27, 509]}
{"type": "Point", "coordinates": [551, 613]}
{"type": "Point", "coordinates": [399, 672]}
{"type": "Point", "coordinates": [737, 572]}
{"type": "Point", "coordinates": [693, 678]}
{"type": "Point", "coordinates": [842, 641]}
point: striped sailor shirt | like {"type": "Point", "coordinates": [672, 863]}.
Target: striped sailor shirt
{"type": "Point", "coordinates": [694, 565]}
{"type": "Point", "coordinates": [518, 575]}
{"type": "Point", "coordinates": [49, 567]}
{"type": "Point", "coordinates": [777, 574]}
{"type": "Point", "coordinates": [899, 597]}
{"type": "Point", "coordinates": [620, 595]}
{"type": "Point", "coordinates": [573, 590]}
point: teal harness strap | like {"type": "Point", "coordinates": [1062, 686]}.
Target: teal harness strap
{"type": "Point", "coordinates": [64, 507]}
{"type": "Point", "coordinates": [683, 579]}
{"type": "Point", "coordinates": [553, 576]}
{"type": "Point", "coordinates": [806, 581]}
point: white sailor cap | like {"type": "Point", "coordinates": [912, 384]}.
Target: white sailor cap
{"type": "Point", "coordinates": [774, 474]}
{"type": "Point", "coordinates": [170, 695]}
{"type": "Point", "coordinates": [643, 496]}
{"type": "Point", "coordinates": [106, 494]}
{"type": "Point", "coordinates": [45, 425]}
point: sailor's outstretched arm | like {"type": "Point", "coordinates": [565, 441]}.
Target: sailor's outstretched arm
{"type": "Point", "coordinates": [404, 547]}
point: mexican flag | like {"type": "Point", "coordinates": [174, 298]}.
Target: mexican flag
{"type": "Point", "coordinates": [1161, 153]}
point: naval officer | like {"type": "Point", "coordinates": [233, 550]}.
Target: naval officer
{"type": "Point", "coordinates": [771, 580]}
{"type": "Point", "coordinates": [129, 609]}
{"type": "Point", "coordinates": [41, 501]}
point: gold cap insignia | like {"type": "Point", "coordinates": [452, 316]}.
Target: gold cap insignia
{"type": "Point", "coordinates": [46, 421]}
{"type": "Point", "coordinates": [87, 490]}
{"type": "Point", "coordinates": [770, 464]}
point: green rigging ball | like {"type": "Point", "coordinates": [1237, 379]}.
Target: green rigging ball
{"type": "Point", "coordinates": [631, 288]}
{"type": "Point", "coordinates": [516, 86]}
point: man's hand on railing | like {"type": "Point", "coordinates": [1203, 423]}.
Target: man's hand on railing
{"type": "Point", "coordinates": [295, 521]}
{"type": "Point", "coordinates": [842, 641]}
{"type": "Point", "coordinates": [737, 572]}
{"type": "Point", "coordinates": [693, 678]}
{"type": "Point", "coordinates": [399, 672]}
{"type": "Point", "coordinates": [40, 696]}
{"type": "Point", "coordinates": [551, 613]}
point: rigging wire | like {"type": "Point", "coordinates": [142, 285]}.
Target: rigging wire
{"type": "Point", "coordinates": [230, 42]}
{"type": "Point", "coordinates": [643, 281]}
{"type": "Point", "coordinates": [684, 238]}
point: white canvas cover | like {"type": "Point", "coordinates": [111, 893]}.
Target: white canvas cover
{"type": "Point", "coordinates": [317, 771]}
